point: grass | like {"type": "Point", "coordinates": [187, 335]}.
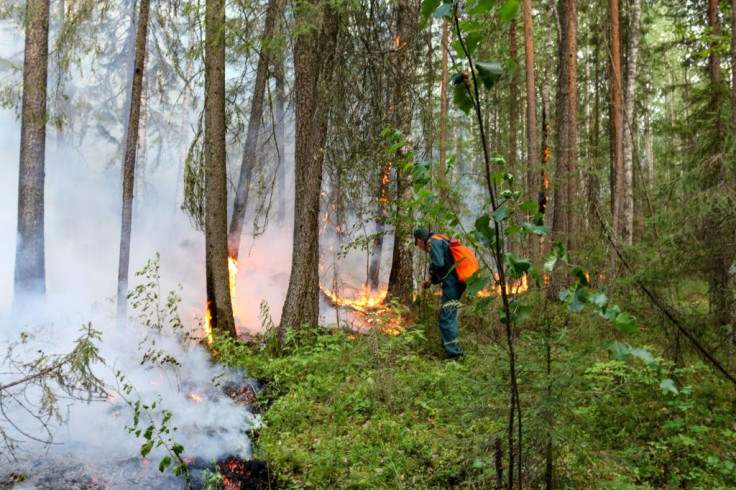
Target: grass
{"type": "Point", "coordinates": [376, 411]}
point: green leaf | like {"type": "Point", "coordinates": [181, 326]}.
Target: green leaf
{"type": "Point", "coordinates": [472, 41]}
{"type": "Point", "coordinates": [146, 448]}
{"type": "Point", "coordinates": [508, 10]}
{"type": "Point", "coordinates": [483, 227]}
{"type": "Point", "coordinates": [668, 385]}
{"type": "Point", "coordinates": [618, 350]}
{"type": "Point", "coordinates": [428, 7]}
{"type": "Point", "coordinates": [500, 214]}
{"type": "Point", "coordinates": [489, 72]}
{"type": "Point", "coordinates": [481, 7]}
{"type": "Point", "coordinates": [563, 294]}
{"type": "Point", "coordinates": [599, 299]}
{"type": "Point", "coordinates": [520, 310]}
{"type": "Point", "coordinates": [579, 274]}
{"type": "Point", "coordinates": [444, 10]}
{"type": "Point", "coordinates": [536, 229]}
{"type": "Point", "coordinates": [529, 206]}
{"type": "Point", "coordinates": [516, 266]}
{"type": "Point", "coordinates": [625, 323]}
{"type": "Point", "coordinates": [512, 230]}
{"type": "Point", "coordinates": [165, 463]}
{"type": "Point", "coordinates": [476, 283]}
{"type": "Point", "coordinates": [457, 78]}
{"type": "Point", "coordinates": [462, 99]}
{"type": "Point", "coordinates": [549, 264]}
{"type": "Point", "coordinates": [577, 303]}
{"type": "Point", "coordinates": [644, 355]}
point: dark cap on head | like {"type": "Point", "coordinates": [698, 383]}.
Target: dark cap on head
{"type": "Point", "coordinates": [422, 233]}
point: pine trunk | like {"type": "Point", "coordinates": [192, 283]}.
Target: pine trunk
{"type": "Point", "coordinates": [513, 99]}
{"type": "Point", "coordinates": [617, 162]}
{"type": "Point", "coordinates": [531, 100]}
{"type": "Point", "coordinates": [314, 51]}
{"type": "Point", "coordinates": [443, 112]}
{"type": "Point", "coordinates": [30, 268]}
{"type": "Point", "coordinates": [400, 281]}
{"type": "Point", "coordinates": [131, 146]}
{"type": "Point", "coordinates": [627, 212]}
{"type": "Point", "coordinates": [219, 302]}
{"type": "Point", "coordinates": [566, 137]}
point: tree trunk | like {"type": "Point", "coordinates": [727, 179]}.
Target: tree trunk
{"type": "Point", "coordinates": [566, 137]}
{"type": "Point", "coordinates": [443, 111]}
{"type": "Point", "coordinates": [531, 105]}
{"type": "Point", "coordinates": [314, 50]}
{"type": "Point", "coordinates": [531, 99]}
{"type": "Point", "coordinates": [131, 145]}
{"type": "Point", "coordinates": [374, 266]}
{"type": "Point", "coordinates": [513, 98]}
{"type": "Point", "coordinates": [217, 276]}
{"type": "Point", "coordinates": [617, 162]}
{"type": "Point", "coordinates": [254, 127]}
{"type": "Point", "coordinates": [280, 137]}
{"type": "Point", "coordinates": [400, 279]}
{"type": "Point", "coordinates": [30, 268]}
{"type": "Point", "coordinates": [627, 211]}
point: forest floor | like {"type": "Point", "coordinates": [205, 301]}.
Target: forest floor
{"type": "Point", "coordinates": [347, 410]}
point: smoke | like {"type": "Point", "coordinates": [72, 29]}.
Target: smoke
{"type": "Point", "coordinates": [82, 234]}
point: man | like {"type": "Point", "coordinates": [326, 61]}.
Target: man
{"type": "Point", "coordinates": [438, 249]}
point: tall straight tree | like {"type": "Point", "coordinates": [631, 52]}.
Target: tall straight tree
{"type": "Point", "coordinates": [617, 161]}
{"type": "Point", "coordinates": [314, 50]}
{"type": "Point", "coordinates": [627, 208]}
{"type": "Point", "coordinates": [533, 161]}
{"type": "Point", "coordinates": [131, 145]}
{"type": "Point", "coordinates": [30, 260]}
{"type": "Point", "coordinates": [217, 276]}
{"type": "Point", "coordinates": [400, 284]}
{"type": "Point", "coordinates": [567, 134]}
{"type": "Point", "coordinates": [254, 127]}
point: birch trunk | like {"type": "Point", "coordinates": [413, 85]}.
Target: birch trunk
{"type": "Point", "coordinates": [131, 146]}
{"type": "Point", "coordinates": [627, 212]}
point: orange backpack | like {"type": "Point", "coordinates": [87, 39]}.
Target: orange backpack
{"type": "Point", "coordinates": [465, 262]}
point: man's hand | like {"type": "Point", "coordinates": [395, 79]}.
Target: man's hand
{"type": "Point", "coordinates": [426, 284]}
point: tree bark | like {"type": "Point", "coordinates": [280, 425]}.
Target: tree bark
{"type": "Point", "coordinates": [314, 51]}
{"type": "Point", "coordinates": [280, 137]}
{"type": "Point", "coordinates": [131, 145]}
{"type": "Point", "coordinates": [513, 99]}
{"type": "Point", "coordinates": [30, 261]}
{"type": "Point", "coordinates": [627, 212]}
{"type": "Point", "coordinates": [617, 163]}
{"type": "Point", "coordinates": [443, 111]}
{"type": "Point", "coordinates": [531, 99]}
{"type": "Point", "coordinates": [566, 137]}
{"type": "Point", "coordinates": [217, 276]}
{"type": "Point", "coordinates": [400, 279]}
{"type": "Point", "coordinates": [254, 127]}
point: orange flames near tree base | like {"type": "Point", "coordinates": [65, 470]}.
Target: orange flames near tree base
{"type": "Point", "coordinates": [370, 309]}
{"type": "Point", "coordinates": [232, 269]}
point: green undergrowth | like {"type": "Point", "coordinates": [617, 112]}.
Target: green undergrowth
{"type": "Point", "coordinates": [348, 410]}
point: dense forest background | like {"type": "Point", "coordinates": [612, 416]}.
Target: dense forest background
{"type": "Point", "coordinates": [268, 161]}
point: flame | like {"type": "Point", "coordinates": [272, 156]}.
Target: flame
{"type": "Point", "coordinates": [145, 462]}
{"type": "Point", "coordinates": [370, 309]}
{"type": "Point", "coordinates": [398, 40]}
{"type": "Point", "coordinates": [195, 397]}
{"type": "Point", "coordinates": [232, 270]}
{"type": "Point", "coordinates": [385, 176]}
{"type": "Point", "coordinates": [363, 302]}
{"type": "Point", "coordinates": [512, 287]}
{"type": "Point", "coordinates": [208, 325]}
